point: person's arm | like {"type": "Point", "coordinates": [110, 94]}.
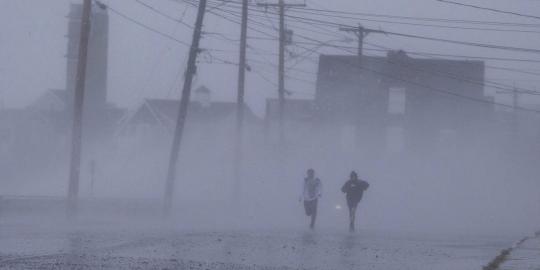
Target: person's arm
{"type": "Point", "coordinates": [319, 189]}
{"type": "Point", "coordinates": [366, 185]}
{"type": "Point", "coordinates": [345, 187]}
{"type": "Point", "coordinates": [303, 185]}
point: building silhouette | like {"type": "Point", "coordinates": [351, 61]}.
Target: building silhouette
{"type": "Point", "coordinates": [400, 101]}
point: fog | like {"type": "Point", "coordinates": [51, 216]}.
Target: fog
{"type": "Point", "coordinates": [444, 145]}
{"type": "Point", "coordinates": [486, 184]}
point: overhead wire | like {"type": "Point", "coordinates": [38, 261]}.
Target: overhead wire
{"type": "Point", "coordinates": [422, 37]}
{"type": "Point", "coordinates": [425, 86]}
{"type": "Point", "coordinates": [490, 9]}
{"type": "Point", "coordinates": [415, 18]}
{"type": "Point", "coordinates": [491, 84]}
{"type": "Point", "coordinates": [180, 21]}
{"type": "Point", "coordinates": [140, 24]}
{"type": "Point", "coordinates": [418, 24]}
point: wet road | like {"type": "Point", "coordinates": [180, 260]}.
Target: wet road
{"type": "Point", "coordinates": [49, 247]}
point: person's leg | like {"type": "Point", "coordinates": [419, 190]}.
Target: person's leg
{"type": "Point", "coordinates": [313, 214]}
{"type": "Point", "coordinates": [353, 218]}
{"type": "Point", "coordinates": [350, 205]}
{"type": "Point", "coordinates": [307, 208]}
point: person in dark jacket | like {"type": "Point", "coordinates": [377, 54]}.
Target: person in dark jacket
{"type": "Point", "coordinates": [354, 189]}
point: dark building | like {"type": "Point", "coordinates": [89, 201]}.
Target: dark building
{"type": "Point", "coordinates": [415, 100]}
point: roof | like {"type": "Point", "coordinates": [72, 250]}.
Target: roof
{"type": "Point", "coordinates": [165, 112]}
{"type": "Point", "coordinates": [342, 73]}
{"type": "Point", "coordinates": [396, 64]}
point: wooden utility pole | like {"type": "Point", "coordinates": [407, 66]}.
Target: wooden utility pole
{"type": "Point", "coordinates": [515, 92]}
{"type": "Point", "coordinates": [76, 133]}
{"type": "Point", "coordinates": [281, 67]}
{"type": "Point", "coordinates": [182, 111]}
{"type": "Point", "coordinates": [240, 97]}
{"type": "Point", "coordinates": [92, 176]}
{"type": "Point", "coordinates": [361, 33]}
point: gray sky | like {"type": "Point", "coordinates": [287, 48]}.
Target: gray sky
{"type": "Point", "coordinates": [144, 64]}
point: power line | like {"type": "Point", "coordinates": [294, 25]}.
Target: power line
{"type": "Point", "coordinates": [433, 39]}
{"type": "Point", "coordinates": [422, 53]}
{"type": "Point", "coordinates": [468, 57]}
{"type": "Point", "coordinates": [485, 83]}
{"type": "Point", "coordinates": [466, 43]}
{"type": "Point", "coordinates": [472, 81]}
{"type": "Point", "coordinates": [490, 9]}
{"type": "Point", "coordinates": [507, 86]}
{"type": "Point", "coordinates": [445, 74]}
{"type": "Point", "coordinates": [151, 29]}
{"type": "Point", "coordinates": [126, 17]}
{"type": "Point", "coordinates": [487, 66]}
{"type": "Point", "coordinates": [479, 100]}
{"type": "Point", "coordinates": [513, 70]}
{"type": "Point", "coordinates": [428, 19]}
{"type": "Point", "coordinates": [430, 88]}
{"type": "Point", "coordinates": [409, 52]}
{"type": "Point", "coordinates": [231, 20]}
{"type": "Point", "coordinates": [415, 18]}
{"type": "Point", "coordinates": [426, 86]}
{"type": "Point", "coordinates": [419, 24]}
{"type": "Point", "coordinates": [164, 14]}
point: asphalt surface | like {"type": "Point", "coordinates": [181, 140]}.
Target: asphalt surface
{"type": "Point", "coordinates": [38, 245]}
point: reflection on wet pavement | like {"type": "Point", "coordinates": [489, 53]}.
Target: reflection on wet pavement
{"type": "Point", "coordinates": [239, 250]}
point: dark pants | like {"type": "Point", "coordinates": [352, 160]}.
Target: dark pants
{"type": "Point", "coordinates": [311, 211]}
{"type": "Point", "coordinates": [352, 204]}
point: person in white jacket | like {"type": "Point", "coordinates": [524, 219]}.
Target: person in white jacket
{"type": "Point", "coordinates": [311, 192]}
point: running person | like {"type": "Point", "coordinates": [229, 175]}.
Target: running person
{"type": "Point", "coordinates": [354, 189]}
{"type": "Point", "coordinates": [311, 192]}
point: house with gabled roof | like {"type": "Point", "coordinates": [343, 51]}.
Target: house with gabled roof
{"type": "Point", "coordinates": [158, 116]}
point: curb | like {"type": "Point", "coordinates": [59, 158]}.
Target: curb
{"type": "Point", "coordinates": [503, 255]}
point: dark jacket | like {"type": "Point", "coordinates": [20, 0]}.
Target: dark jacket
{"type": "Point", "coordinates": [354, 190]}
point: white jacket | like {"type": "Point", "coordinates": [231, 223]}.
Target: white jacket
{"type": "Point", "coordinates": [311, 189]}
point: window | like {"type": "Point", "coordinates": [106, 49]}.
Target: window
{"type": "Point", "coordinates": [396, 100]}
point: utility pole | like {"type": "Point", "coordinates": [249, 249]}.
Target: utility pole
{"type": "Point", "coordinates": [281, 67]}
{"type": "Point", "coordinates": [281, 73]}
{"type": "Point", "coordinates": [515, 102]}
{"type": "Point", "coordinates": [361, 33]}
{"type": "Point", "coordinates": [182, 111]}
{"type": "Point", "coordinates": [240, 98]}
{"type": "Point", "coordinates": [515, 92]}
{"type": "Point", "coordinates": [92, 176]}
{"type": "Point", "coordinates": [76, 133]}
